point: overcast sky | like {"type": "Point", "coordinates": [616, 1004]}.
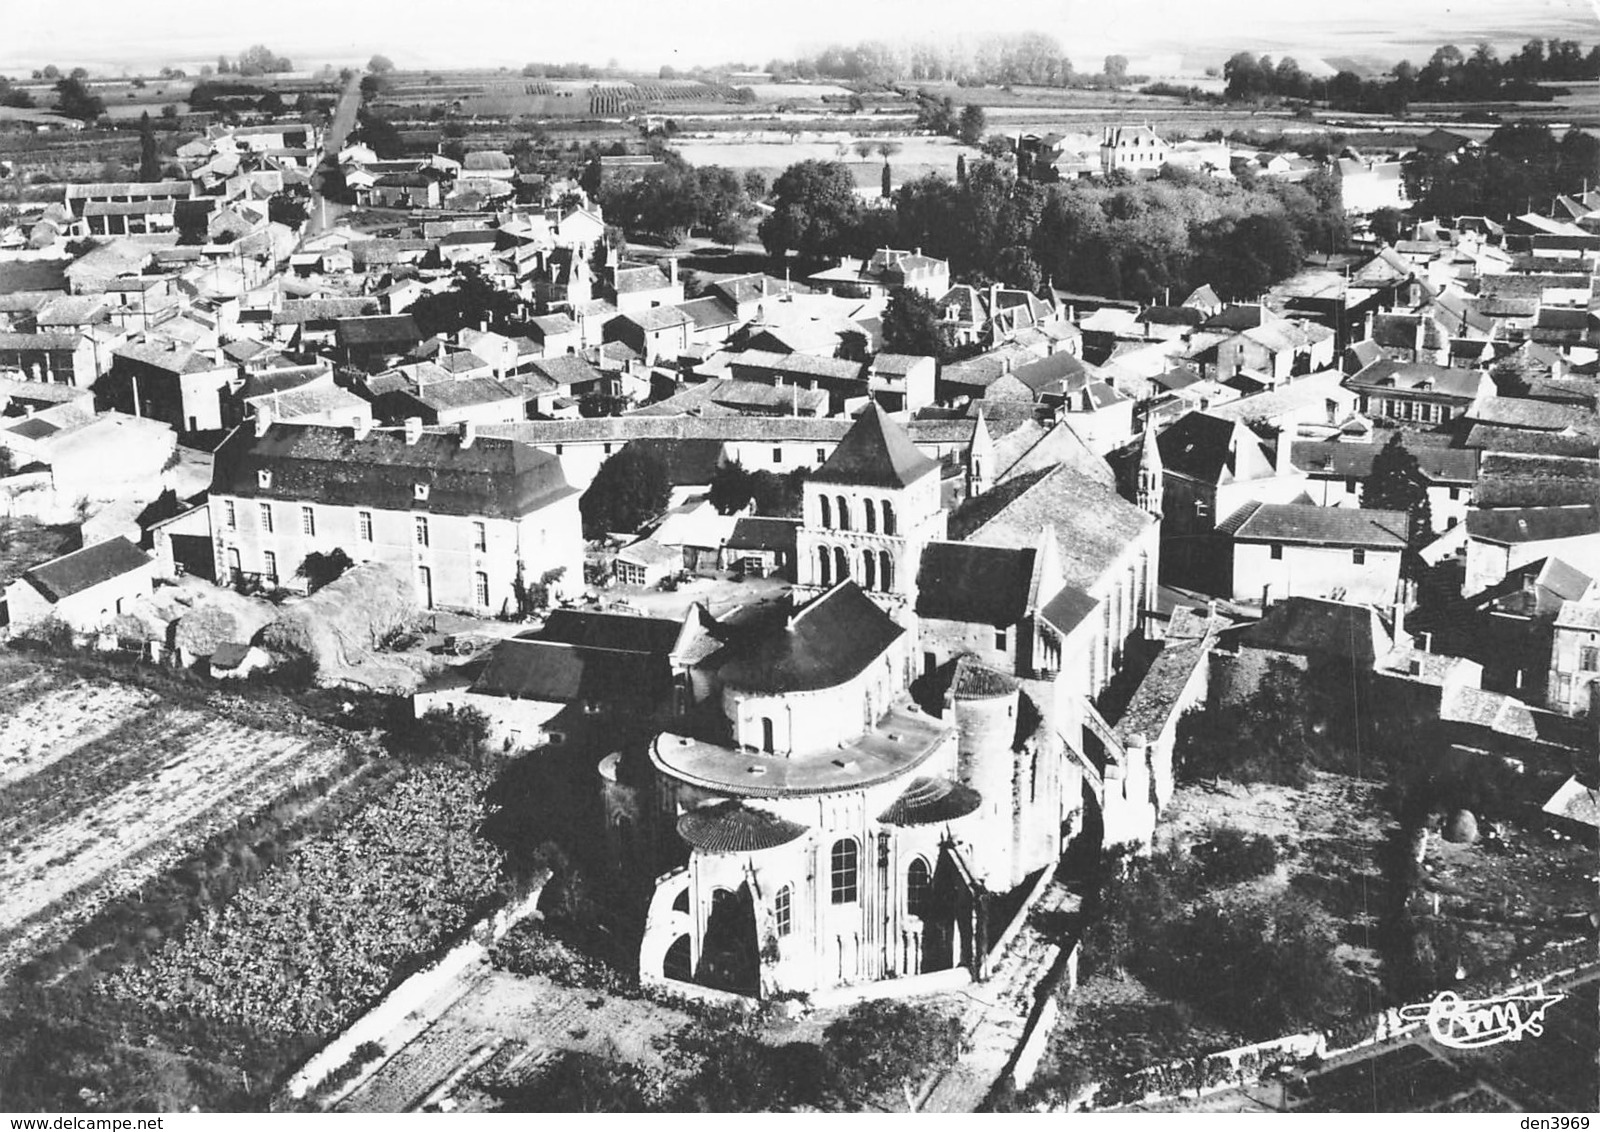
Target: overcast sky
{"type": "Point", "coordinates": [112, 34]}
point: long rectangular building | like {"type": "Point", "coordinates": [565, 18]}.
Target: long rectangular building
{"type": "Point", "coordinates": [461, 514]}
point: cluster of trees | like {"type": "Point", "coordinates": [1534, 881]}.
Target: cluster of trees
{"type": "Point", "coordinates": [1029, 58]}
{"type": "Point", "coordinates": [235, 96]}
{"type": "Point", "coordinates": [470, 299]}
{"type": "Point", "coordinates": [868, 1058]}
{"type": "Point", "coordinates": [1115, 237]}
{"type": "Point", "coordinates": [11, 95]}
{"type": "Point", "coordinates": [1450, 75]}
{"type": "Point", "coordinates": [256, 60]}
{"type": "Point", "coordinates": [733, 488]}
{"type": "Point", "coordinates": [631, 488]}
{"type": "Point", "coordinates": [560, 71]}
{"type": "Point", "coordinates": [74, 99]}
{"type": "Point", "coordinates": [1397, 484]}
{"type": "Point", "coordinates": [938, 115]}
{"type": "Point", "coordinates": [674, 199]}
{"type": "Point", "coordinates": [1268, 959]}
{"type": "Point", "coordinates": [1519, 167]}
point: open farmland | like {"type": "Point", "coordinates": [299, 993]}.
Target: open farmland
{"type": "Point", "coordinates": [772, 153]}
{"type": "Point", "coordinates": [104, 784]}
{"type": "Point", "coordinates": [495, 94]}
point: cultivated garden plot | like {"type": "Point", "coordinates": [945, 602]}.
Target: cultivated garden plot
{"type": "Point", "coordinates": [42, 719]}
{"type": "Point", "coordinates": [114, 786]}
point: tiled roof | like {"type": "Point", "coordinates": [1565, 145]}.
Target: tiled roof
{"type": "Point", "coordinates": [876, 452]}
{"type": "Point", "coordinates": [1532, 524]}
{"type": "Point", "coordinates": [1309, 626]}
{"type": "Point", "coordinates": [931, 801]}
{"type": "Point", "coordinates": [1324, 526]}
{"type": "Point", "coordinates": [826, 643]}
{"type": "Point", "coordinates": [729, 827]}
{"type": "Point", "coordinates": [556, 672]}
{"type": "Point", "coordinates": [1094, 527]}
{"type": "Point", "coordinates": [378, 330]}
{"type": "Point", "coordinates": [73, 573]}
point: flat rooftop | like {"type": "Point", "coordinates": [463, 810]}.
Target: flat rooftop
{"type": "Point", "coordinates": [902, 740]}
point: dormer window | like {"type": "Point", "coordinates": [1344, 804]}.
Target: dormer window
{"type": "Point", "coordinates": [263, 478]}
{"type": "Point", "coordinates": [420, 492]}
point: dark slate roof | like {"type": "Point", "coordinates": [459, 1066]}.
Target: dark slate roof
{"type": "Point", "coordinates": [33, 275]}
{"type": "Point", "coordinates": [324, 310]}
{"type": "Point", "coordinates": [732, 828]}
{"type": "Point", "coordinates": [623, 631]}
{"type": "Point", "coordinates": [73, 573]}
{"type": "Point", "coordinates": [1068, 608]}
{"type": "Point", "coordinates": [556, 672]}
{"type": "Point", "coordinates": [1524, 480]}
{"type": "Point", "coordinates": [762, 532]}
{"type": "Point", "coordinates": [1324, 526]}
{"type": "Point", "coordinates": [1308, 626]}
{"type": "Point", "coordinates": [824, 644]}
{"type": "Point", "coordinates": [1416, 377]}
{"type": "Point", "coordinates": [968, 582]}
{"type": "Point", "coordinates": [930, 801]}
{"type": "Point", "coordinates": [1336, 459]}
{"type": "Point", "coordinates": [1532, 524]}
{"type": "Point", "coordinates": [1498, 438]}
{"type": "Point", "coordinates": [1198, 445]}
{"type": "Point", "coordinates": [378, 330]}
{"type": "Point", "coordinates": [876, 452]}
{"type": "Point", "coordinates": [318, 464]}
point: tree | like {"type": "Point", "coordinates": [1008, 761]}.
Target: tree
{"type": "Point", "coordinates": [1116, 69]}
{"type": "Point", "coordinates": [1396, 484]}
{"type": "Point", "coordinates": [75, 100]}
{"type": "Point", "coordinates": [149, 156]}
{"type": "Point", "coordinates": [815, 208]}
{"type": "Point", "coordinates": [972, 124]}
{"type": "Point", "coordinates": [911, 326]}
{"type": "Point", "coordinates": [961, 168]}
{"type": "Point", "coordinates": [630, 489]}
{"type": "Point", "coordinates": [51, 72]}
{"type": "Point", "coordinates": [381, 64]}
{"type": "Point", "coordinates": [318, 568]}
{"type": "Point", "coordinates": [886, 189]}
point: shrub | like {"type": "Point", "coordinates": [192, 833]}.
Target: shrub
{"type": "Point", "coordinates": [878, 1045]}
{"type": "Point", "coordinates": [1231, 855]}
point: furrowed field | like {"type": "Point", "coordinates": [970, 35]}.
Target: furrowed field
{"type": "Point", "coordinates": [203, 889]}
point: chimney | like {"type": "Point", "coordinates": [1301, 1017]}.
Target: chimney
{"type": "Point", "coordinates": [1281, 462]}
{"type": "Point", "coordinates": [672, 269]}
{"type": "Point", "coordinates": [413, 429]}
{"type": "Point", "coordinates": [263, 418]}
{"type": "Point", "coordinates": [469, 433]}
{"type": "Point", "coordinates": [360, 426]}
{"type": "Point", "coordinates": [1401, 640]}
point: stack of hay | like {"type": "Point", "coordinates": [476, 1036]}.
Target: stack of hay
{"type": "Point", "coordinates": [340, 627]}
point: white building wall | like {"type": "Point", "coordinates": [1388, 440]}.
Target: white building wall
{"type": "Point", "coordinates": [1314, 571]}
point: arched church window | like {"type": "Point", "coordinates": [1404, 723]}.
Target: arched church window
{"type": "Point", "coordinates": [841, 564]}
{"type": "Point", "coordinates": [885, 571]}
{"type": "Point", "coordinates": [844, 513]}
{"type": "Point", "coordinates": [783, 910]}
{"type": "Point", "coordinates": [844, 860]}
{"type": "Point", "coordinates": [869, 517]}
{"type": "Point", "coordinates": [827, 511]}
{"type": "Point", "coordinates": [888, 517]}
{"type": "Point", "coordinates": [824, 566]}
{"type": "Point", "coordinates": [919, 888]}
{"type": "Point", "coordinates": [869, 570]}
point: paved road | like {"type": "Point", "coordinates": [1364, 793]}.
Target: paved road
{"type": "Point", "coordinates": [324, 212]}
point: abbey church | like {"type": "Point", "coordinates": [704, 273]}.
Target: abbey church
{"type": "Point", "coordinates": [853, 783]}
